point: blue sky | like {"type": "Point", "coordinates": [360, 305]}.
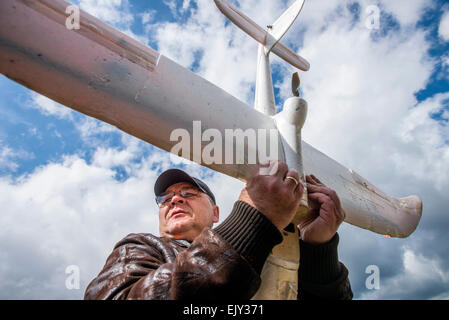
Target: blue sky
{"type": "Point", "coordinates": [71, 186]}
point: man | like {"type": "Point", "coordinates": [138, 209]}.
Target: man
{"type": "Point", "coordinates": [191, 260]}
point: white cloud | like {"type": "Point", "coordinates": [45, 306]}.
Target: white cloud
{"type": "Point", "coordinates": [9, 158]}
{"type": "Point", "coordinates": [423, 268]}
{"type": "Point", "coordinates": [426, 152]}
{"type": "Point", "coordinates": [6, 156]}
{"type": "Point", "coordinates": [185, 5]}
{"type": "Point", "coordinates": [148, 16]}
{"type": "Point", "coordinates": [91, 129]}
{"type": "Point", "coordinates": [419, 273]}
{"type": "Point", "coordinates": [68, 213]}
{"type": "Point", "coordinates": [406, 12]}
{"type": "Point", "coordinates": [116, 12]}
{"type": "Point", "coordinates": [49, 107]}
{"type": "Point", "coordinates": [175, 9]}
{"type": "Point", "coordinates": [443, 29]}
{"type": "Point", "coordinates": [445, 61]}
{"type": "Point", "coordinates": [111, 157]}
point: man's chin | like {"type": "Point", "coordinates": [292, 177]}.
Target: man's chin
{"type": "Point", "coordinates": [178, 229]}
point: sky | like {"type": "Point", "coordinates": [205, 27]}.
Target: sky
{"type": "Point", "coordinates": [378, 94]}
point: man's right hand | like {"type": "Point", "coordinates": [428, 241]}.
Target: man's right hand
{"type": "Point", "coordinates": [274, 195]}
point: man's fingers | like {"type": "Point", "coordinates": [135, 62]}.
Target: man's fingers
{"type": "Point", "coordinates": [310, 180]}
{"type": "Point", "coordinates": [327, 202]}
{"type": "Point", "coordinates": [317, 180]}
{"type": "Point", "coordinates": [326, 205]}
{"type": "Point", "coordinates": [321, 198]}
{"type": "Point", "coordinates": [325, 190]}
{"type": "Point", "coordinates": [313, 180]}
{"type": "Point", "coordinates": [315, 185]}
{"type": "Point", "coordinates": [272, 168]}
{"type": "Point", "coordinates": [282, 169]}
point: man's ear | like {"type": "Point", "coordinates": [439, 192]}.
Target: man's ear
{"type": "Point", "coordinates": [216, 214]}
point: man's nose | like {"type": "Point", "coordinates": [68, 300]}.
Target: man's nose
{"type": "Point", "coordinates": [177, 199]}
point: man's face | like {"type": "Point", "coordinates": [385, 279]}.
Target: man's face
{"type": "Point", "coordinates": [185, 218]}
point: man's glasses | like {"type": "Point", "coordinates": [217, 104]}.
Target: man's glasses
{"type": "Point", "coordinates": [165, 198]}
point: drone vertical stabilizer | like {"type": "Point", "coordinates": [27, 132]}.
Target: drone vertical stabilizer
{"type": "Point", "coordinates": [278, 29]}
{"type": "Point", "coordinates": [262, 36]}
{"type": "Point", "coordinates": [269, 41]}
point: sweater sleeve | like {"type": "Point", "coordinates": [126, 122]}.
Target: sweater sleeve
{"type": "Point", "coordinates": [250, 233]}
{"type": "Point", "coordinates": [321, 275]}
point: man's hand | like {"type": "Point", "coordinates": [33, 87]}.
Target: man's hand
{"type": "Point", "coordinates": [275, 195]}
{"type": "Point", "coordinates": [325, 213]}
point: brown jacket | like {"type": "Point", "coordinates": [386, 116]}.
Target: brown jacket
{"type": "Point", "coordinates": [221, 263]}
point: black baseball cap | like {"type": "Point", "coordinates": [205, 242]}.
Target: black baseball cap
{"type": "Point", "coordinates": [173, 176]}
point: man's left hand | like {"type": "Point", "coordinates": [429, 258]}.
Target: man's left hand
{"type": "Point", "coordinates": [325, 213]}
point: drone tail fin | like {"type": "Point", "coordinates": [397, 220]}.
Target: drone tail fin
{"type": "Point", "coordinates": [280, 27]}
{"type": "Point", "coordinates": [269, 39]}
